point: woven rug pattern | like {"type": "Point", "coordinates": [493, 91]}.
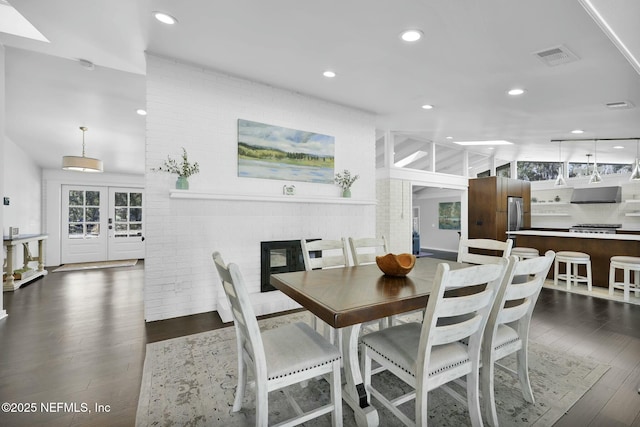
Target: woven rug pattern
{"type": "Point", "coordinates": [190, 381]}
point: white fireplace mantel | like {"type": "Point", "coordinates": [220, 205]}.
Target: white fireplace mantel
{"type": "Point", "coordinates": [188, 194]}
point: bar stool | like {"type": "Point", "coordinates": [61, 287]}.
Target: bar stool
{"type": "Point", "coordinates": [627, 264]}
{"type": "Point", "coordinates": [572, 260]}
{"type": "Point", "coordinates": [525, 253]}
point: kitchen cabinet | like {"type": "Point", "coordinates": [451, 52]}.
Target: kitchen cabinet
{"type": "Point", "coordinates": [487, 217]}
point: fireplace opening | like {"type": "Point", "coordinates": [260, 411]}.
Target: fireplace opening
{"type": "Point", "coordinates": [281, 256]}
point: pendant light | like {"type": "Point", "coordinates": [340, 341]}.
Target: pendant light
{"type": "Point", "coordinates": [560, 179]}
{"type": "Point", "coordinates": [635, 174]}
{"type": "Point", "coordinates": [595, 176]}
{"type": "Point", "coordinates": [81, 164]}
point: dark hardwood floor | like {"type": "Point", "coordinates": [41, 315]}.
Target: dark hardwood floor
{"type": "Point", "coordinates": [79, 337]}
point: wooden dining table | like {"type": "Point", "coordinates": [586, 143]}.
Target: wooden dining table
{"type": "Point", "coordinates": [350, 296]}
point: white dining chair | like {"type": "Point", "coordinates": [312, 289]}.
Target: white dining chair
{"type": "Point", "coordinates": [363, 252]}
{"type": "Point", "coordinates": [325, 253]}
{"type": "Point", "coordinates": [427, 356]}
{"type": "Point", "coordinates": [507, 329]}
{"type": "Point", "coordinates": [501, 249]}
{"type": "Point", "coordinates": [279, 357]}
{"type": "Point", "coordinates": [365, 249]}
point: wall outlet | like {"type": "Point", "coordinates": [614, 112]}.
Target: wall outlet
{"type": "Point", "coordinates": [13, 232]}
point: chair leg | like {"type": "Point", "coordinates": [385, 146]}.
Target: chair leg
{"type": "Point", "coordinates": [636, 276]}
{"type": "Point", "coordinates": [627, 283]}
{"type": "Point", "coordinates": [522, 359]}
{"type": "Point", "coordinates": [336, 396]}
{"type": "Point", "coordinates": [556, 271]}
{"type": "Point", "coordinates": [589, 277]}
{"type": "Point", "coordinates": [473, 397]}
{"type": "Point", "coordinates": [488, 393]}
{"type": "Point", "coordinates": [612, 279]}
{"type": "Point", "coordinates": [421, 401]}
{"type": "Point", "coordinates": [262, 405]}
{"type": "Point", "coordinates": [365, 362]}
{"type": "Point", "coordinates": [242, 381]}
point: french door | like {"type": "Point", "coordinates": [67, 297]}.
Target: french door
{"type": "Point", "coordinates": [101, 223]}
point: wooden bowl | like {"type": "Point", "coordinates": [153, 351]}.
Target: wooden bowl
{"type": "Point", "coordinates": [396, 265]}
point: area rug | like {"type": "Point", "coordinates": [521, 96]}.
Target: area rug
{"type": "Point", "coordinates": [190, 381]}
{"type": "Point", "coordinates": [95, 265]}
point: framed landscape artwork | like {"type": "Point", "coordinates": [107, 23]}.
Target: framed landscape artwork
{"type": "Point", "coordinates": [274, 152]}
{"type": "Point", "coordinates": [449, 215]}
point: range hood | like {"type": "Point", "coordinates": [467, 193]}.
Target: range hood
{"type": "Point", "coordinates": [597, 195]}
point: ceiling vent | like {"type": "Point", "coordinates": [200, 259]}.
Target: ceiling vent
{"type": "Point", "coordinates": [621, 105]}
{"type": "Point", "coordinates": [556, 56]}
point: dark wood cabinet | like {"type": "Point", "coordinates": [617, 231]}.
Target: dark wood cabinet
{"type": "Point", "coordinates": [488, 206]}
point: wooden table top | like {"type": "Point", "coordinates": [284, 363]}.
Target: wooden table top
{"type": "Point", "coordinates": [347, 296]}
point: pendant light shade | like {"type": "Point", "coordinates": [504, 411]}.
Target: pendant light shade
{"type": "Point", "coordinates": [635, 174]}
{"type": "Point", "coordinates": [560, 179]}
{"type": "Point", "coordinates": [595, 176]}
{"type": "Point", "coordinates": [81, 164]}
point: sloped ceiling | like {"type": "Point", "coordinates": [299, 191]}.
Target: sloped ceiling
{"type": "Point", "coordinates": [471, 54]}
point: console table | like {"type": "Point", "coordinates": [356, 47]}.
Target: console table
{"type": "Point", "coordinates": [10, 283]}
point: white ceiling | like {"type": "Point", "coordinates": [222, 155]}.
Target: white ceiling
{"type": "Point", "coordinates": [472, 52]}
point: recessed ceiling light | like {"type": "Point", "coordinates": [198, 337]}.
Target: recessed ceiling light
{"type": "Point", "coordinates": [165, 18]}
{"type": "Point", "coordinates": [618, 147]}
{"type": "Point", "coordinates": [411, 35]}
{"type": "Point", "coordinates": [491, 142]}
{"type": "Point", "coordinates": [329, 74]}
{"type": "Point", "coordinates": [491, 148]}
{"type": "Point", "coordinates": [449, 137]}
{"type": "Point", "coordinates": [141, 112]}
{"type": "Point", "coordinates": [516, 91]}
{"type": "Point", "coordinates": [427, 107]}
{"type": "Point", "coordinates": [577, 131]}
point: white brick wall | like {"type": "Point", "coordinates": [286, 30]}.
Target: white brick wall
{"type": "Point", "coordinates": [393, 215]}
{"type": "Point", "coordinates": [199, 109]}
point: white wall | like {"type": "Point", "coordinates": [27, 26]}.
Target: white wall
{"type": "Point", "coordinates": [24, 189]}
{"type": "Point", "coordinates": [198, 109]}
{"type": "Point", "coordinates": [53, 180]}
{"type": "Point", "coordinates": [3, 312]}
{"type": "Point", "coordinates": [430, 235]}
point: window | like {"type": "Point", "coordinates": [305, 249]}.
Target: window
{"type": "Point", "coordinates": [538, 171]}
{"type": "Point", "coordinates": [504, 170]}
{"type": "Point", "coordinates": [577, 170]}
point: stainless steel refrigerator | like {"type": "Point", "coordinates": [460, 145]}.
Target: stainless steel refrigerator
{"type": "Point", "coordinates": [515, 213]}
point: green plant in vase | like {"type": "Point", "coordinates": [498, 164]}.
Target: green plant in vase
{"type": "Point", "coordinates": [345, 180]}
{"type": "Point", "coordinates": [184, 169]}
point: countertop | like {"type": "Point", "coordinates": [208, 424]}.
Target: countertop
{"type": "Point", "coordinates": [598, 236]}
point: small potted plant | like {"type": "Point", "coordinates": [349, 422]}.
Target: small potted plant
{"type": "Point", "coordinates": [184, 170]}
{"type": "Point", "coordinates": [345, 180]}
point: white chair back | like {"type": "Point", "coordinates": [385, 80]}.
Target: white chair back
{"type": "Point", "coordinates": [244, 318]}
{"type": "Point", "coordinates": [334, 253]}
{"type": "Point", "coordinates": [507, 329]}
{"type": "Point", "coordinates": [465, 318]}
{"type": "Point", "coordinates": [464, 254]}
{"type": "Point", "coordinates": [364, 250]}
{"type": "Point", "coordinates": [297, 354]}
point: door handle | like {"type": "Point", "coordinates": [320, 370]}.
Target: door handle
{"type": "Point", "coordinates": [142, 238]}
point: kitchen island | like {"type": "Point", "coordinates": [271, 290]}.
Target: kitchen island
{"type": "Point", "coordinates": [601, 247]}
